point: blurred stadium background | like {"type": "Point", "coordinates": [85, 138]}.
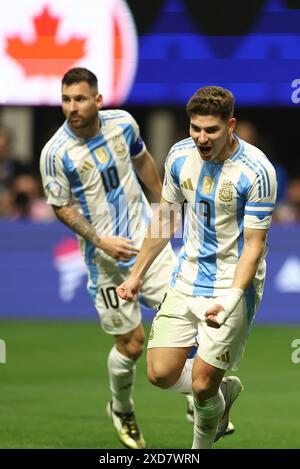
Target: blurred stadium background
{"type": "Point", "coordinates": [150, 57]}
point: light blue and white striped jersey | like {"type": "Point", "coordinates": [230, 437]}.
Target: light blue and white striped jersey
{"type": "Point", "coordinates": [222, 199]}
{"type": "Point", "coordinates": [97, 174]}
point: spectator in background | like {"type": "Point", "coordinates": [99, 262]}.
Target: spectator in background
{"type": "Point", "coordinates": [9, 165]}
{"type": "Point", "coordinates": [8, 169]}
{"type": "Point", "coordinates": [247, 131]}
{"type": "Point", "coordinates": [289, 210]}
{"type": "Point", "coordinates": [20, 189]}
{"type": "Point", "coordinates": [293, 196]}
{"type": "Point", "coordinates": [28, 202]}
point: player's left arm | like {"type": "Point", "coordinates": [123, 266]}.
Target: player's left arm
{"type": "Point", "coordinates": [260, 203]}
{"type": "Point", "coordinates": [247, 265]}
{"type": "Point", "coordinates": [147, 171]}
{"type": "Point", "coordinates": [254, 246]}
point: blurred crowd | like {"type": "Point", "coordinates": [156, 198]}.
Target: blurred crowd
{"type": "Point", "coordinates": [21, 193]}
{"type": "Point", "coordinates": [288, 193]}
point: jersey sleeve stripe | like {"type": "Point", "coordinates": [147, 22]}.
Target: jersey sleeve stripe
{"type": "Point", "coordinates": [176, 169]}
{"type": "Point", "coordinates": [258, 213]}
{"type": "Point", "coordinates": [258, 172]}
{"type": "Point", "coordinates": [51, 154]}
{"type": "Point", "coordinates": [260, 204]}
{"type": "Point", "coordinates": [78, 191]}
{"type": "Point", "coordinates": [259, 163]}
{"type": "Point", "coordinates": [53, 165]}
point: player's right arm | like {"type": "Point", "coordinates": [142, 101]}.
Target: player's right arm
{"type": "Point", "coordinates": [116, 247]}
{"type": "Point", "coordinates": [161, 229]}
{"type": "Point", "coordinates": [70, 216]}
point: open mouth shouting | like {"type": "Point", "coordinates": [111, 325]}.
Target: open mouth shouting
{"type": "Point", "coordinates": [205, 152]}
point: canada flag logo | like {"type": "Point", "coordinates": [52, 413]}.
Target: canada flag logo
{"type": "Point", "coordinates": [45, 53]}
{"type": "Point", "coordinates": [40, 41]}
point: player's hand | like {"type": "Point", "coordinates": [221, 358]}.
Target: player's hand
{"type": "Point", "coordinates": [118, 247]}
{"type": "Point", "coordinates": [129, 289]}
{"type": "Point", "coordinates": [218, 313]}
{"type": "Point", "coordinates": [211, 316]}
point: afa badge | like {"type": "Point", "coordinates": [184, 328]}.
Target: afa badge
{"type": "Point", "coordinates": [226, 191]}
{"type": "Point", "coordinates": [116, 320]}
{"type": "Point", "coordinates": [119, 146]}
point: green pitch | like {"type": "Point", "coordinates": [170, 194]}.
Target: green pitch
{"type": "Point", "coordinates": [54, 388]}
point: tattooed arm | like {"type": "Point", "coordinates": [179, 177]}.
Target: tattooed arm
{"type": "Point", "coordinates": [71, 217]}
{"type": "Point", "coordinates": [116, 247]}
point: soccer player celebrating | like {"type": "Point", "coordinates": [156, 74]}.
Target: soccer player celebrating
{"type": "Point", "coordinates": [230, 192]}
{"type": "Point", "coordinates": [89, 172]}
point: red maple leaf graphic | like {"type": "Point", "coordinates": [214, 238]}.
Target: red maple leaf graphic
{"type": "Point", "coordinates": [45, 55]}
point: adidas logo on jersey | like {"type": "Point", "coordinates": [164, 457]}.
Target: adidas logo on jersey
{"type": "Point", "coordinates": [187, 184]}
{"type": "Point", "coordinates": [87, 165]}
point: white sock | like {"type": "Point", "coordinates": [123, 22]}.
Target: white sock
{"type": "Point", "coordinates": [184, 384]}
{"type": "Point", "coordinates": [207, 416]}
{"type": "Point", "coordinates": [121, 372]}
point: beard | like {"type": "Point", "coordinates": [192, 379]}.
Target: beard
{"type": "Point", "coordinates": [79, 122]}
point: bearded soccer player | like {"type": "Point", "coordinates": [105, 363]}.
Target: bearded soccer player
{"type": "Point", "coordinates": [89, 170]}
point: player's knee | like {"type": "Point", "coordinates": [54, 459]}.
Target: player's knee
{"type": "Point", "coordinates": [159, 375]}
{"type": "Point", "coordinates": [134, 348]}
{"type": "Point", "coordinates": [204, 388]}
{"type": "Point", "coordinates": [132, 344]}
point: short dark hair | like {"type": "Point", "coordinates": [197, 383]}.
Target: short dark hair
{"type": "Point", "coordinates": [78, 74]}
{"type": "Point", "coordinates": [212, 100]}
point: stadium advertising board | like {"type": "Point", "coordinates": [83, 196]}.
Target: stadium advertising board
{"type": "Point", "coordinates": [154, 53]}
{"type": "Point", "coordinates": [44, 276]}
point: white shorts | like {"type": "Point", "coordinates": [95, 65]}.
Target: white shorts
{"type": "Point", "coordinates": [180, 319]}
{"type": "Point", "coordinates": [118, 316]}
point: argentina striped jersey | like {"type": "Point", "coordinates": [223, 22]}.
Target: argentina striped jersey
{"type": "Point", "coordinates": [97, 175]}
{"type": "Point", "coordinates": [222, 199]}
